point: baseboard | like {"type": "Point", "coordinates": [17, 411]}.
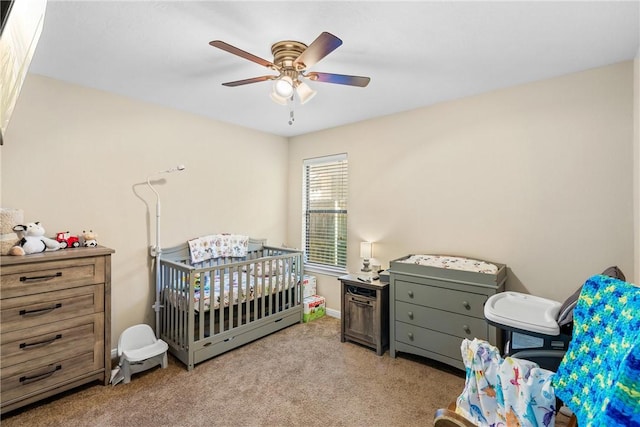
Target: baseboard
{"type": "Point", "coordinates": [333, 313]}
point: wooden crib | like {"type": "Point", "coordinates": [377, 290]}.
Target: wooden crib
{"type": "Point", "coordinates": [210, 307]}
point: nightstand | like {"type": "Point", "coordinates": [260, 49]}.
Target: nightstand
{"type": "Point", "coordinates": [365, 312]}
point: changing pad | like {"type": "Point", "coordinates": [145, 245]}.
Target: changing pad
{"type": "Point", "coordinates": [452, 262]}
{"type": "Point", "coordinates": [524, 311]}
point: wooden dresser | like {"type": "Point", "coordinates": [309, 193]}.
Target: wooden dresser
{"type": "Point", "coordinates": [55, 328]}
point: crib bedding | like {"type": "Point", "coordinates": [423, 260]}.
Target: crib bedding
{"type": "Point", "coordinates": [237, 286]}
{"type": "Point", "coordinates": [218, 246]}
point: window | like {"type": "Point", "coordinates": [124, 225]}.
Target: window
{"type": "Point", "coordinates": [324, 224]}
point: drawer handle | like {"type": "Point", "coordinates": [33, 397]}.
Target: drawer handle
{"type": "Point", "coordinates": [466, 305]}
{"type": "Point", "coordinates": [410, 293]}
{"type": "Point", "coordinates": [27, 380]}
{"type": "Point", "coordinates": [41, 278]}
{"type": "Point", "coordinates": [360, 302]}
{"type": "Point", "coordinates": [410, 335]}
{"type": "Point", "coordinates": [467, 329]}
{"type": "Point", "coordinates": [40, 310]}
{"type": "Point", "coordinates": [39, 343]}
{"type": "Point", "coordinates": [410, 314]}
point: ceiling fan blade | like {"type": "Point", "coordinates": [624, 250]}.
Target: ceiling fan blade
{"type": "Point", "coordinates": [248, 81]}
{"type": "Point", "coordinates": [340, 79]}
{"type": "Point", "coordinates": [318, 49]}
{"type": "Point", "coordinates": [241, 53]}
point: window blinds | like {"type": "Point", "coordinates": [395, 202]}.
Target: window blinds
{"type": "Point", "coordinates": [325, 211]}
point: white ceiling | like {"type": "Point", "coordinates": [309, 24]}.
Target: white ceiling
{"type": "Point", "coordinates": [417, 53]}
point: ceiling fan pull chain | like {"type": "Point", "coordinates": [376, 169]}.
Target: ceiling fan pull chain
{"type": "Point", "coordinates": [291, 118]}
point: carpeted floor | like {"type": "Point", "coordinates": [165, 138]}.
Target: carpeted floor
{"type": "Point", "coordinates": [302, 375]}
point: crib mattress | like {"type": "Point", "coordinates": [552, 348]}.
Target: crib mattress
{"type": "Point", "coordinates": [230, 288]}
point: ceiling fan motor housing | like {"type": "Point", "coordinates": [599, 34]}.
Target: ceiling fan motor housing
{"type": "Point", "coordinates": [285, 52]}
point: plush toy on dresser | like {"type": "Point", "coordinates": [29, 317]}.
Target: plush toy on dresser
{"type": "Point", "coordinates": [32, 240]}
{"type": "Point", "coordinates": [90, 238]}
{"type": "Point", "coordinates": [9, 218]}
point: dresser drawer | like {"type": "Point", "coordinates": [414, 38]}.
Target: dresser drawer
{"type": "Point", "coordinates": [40, 377]}
{"type": "Point", "coordinates": [35, 278]}
{"type": "Point", "coordinates": [427, 339]}
{"type": "Point", "coordinates": [466, 303]}
{"type": "Point", "coordinates": [34, 310]}
{"type": "Point", "coordinates": [77, 334]}
{"type": "Point", "coordinates": [449, 323]}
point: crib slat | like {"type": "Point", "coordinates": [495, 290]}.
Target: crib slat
{"type": "Point", "coordinates": [222, 315]}
{"type": "Point", "coordinates": [233, 294]}
{"type": "Point", "coordinates": [276, 286]}
{"type": "Point", "coordinates": [164, 284]}
{"type": "Point", "coordinates": [176, 279]}
{"type": "Point", "coordinates": [182, 284]}
{"type": "Point", "coordinates": [288, 286]}
{"type": "Point", "coordinates": [263, 293]}
{"type": "Point", "coordinates": [248, 297]}
{"type": "Point", "coordinates": [173, 323]}
{"type": "Point", "coordinates": [213, 312]}
{"type": "Point", "coordinates": [174, 330]}
{"type": "Point", "coordinates": [200, 317]}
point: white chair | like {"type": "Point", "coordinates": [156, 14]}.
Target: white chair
{"type": "Point", "coordinates": [139, 350]}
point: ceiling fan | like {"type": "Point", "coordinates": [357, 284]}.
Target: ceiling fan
{"type": "Point", "coordinates": [292, 59]}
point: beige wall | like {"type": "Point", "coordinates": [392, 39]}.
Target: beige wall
{"type": "Point", "coordinates": [538, 176]}
{"type": "Point", "coordinates": [76, 158]}
{"type": "Point", "coordinates": [636, 165]}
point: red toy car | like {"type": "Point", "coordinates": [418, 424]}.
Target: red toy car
{"type": "Point", "coordinates": [66, 240]}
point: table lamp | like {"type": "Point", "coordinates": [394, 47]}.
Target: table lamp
{"type": "Point", "coordinates": [366, 252]}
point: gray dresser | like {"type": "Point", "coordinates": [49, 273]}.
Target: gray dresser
{"type": "Point", "coordinates": [433, 309]}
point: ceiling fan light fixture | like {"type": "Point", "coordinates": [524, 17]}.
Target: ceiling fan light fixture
{"type": "Point", "coordinates": [305, 93]}
{"type": "Point", "coordinates": [283, 86]}
{"type": "Point", "coordinates": [277, 98]}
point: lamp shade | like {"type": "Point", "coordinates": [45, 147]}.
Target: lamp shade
{"type": "Point", "coordinates": [283, 86]}
{"type": "Point", "coordinates": [278, 99]}
{"type": "Point", "coordinates": [305, 93]}
{"type": "Point", "coordinates": [366, 250]}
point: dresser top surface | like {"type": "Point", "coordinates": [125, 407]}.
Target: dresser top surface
{"type": "Point", "coordinates": [61, 254]}
{"type": "Point", "coordinates": [353, 280]}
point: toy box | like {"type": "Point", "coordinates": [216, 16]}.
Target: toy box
{"type": "Point", "coordinates": [308, 286]}
{"type": "Point", "coordinates": [314, 308]}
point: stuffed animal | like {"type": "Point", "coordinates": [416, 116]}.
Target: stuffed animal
{"type": "Point", "coordinates": [90, 238]}
{"type": "Point", "coordinates": [32, 240]}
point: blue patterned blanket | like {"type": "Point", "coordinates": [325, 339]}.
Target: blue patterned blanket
{"type": "Point", "coordinates": [599, 377]}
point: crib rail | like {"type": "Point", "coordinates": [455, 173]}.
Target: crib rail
{"type": "Point", "coordinates": [212, 303]}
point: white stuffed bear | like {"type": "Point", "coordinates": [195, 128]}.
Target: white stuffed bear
{"type": "Point", "coordinates": [32, 240]}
